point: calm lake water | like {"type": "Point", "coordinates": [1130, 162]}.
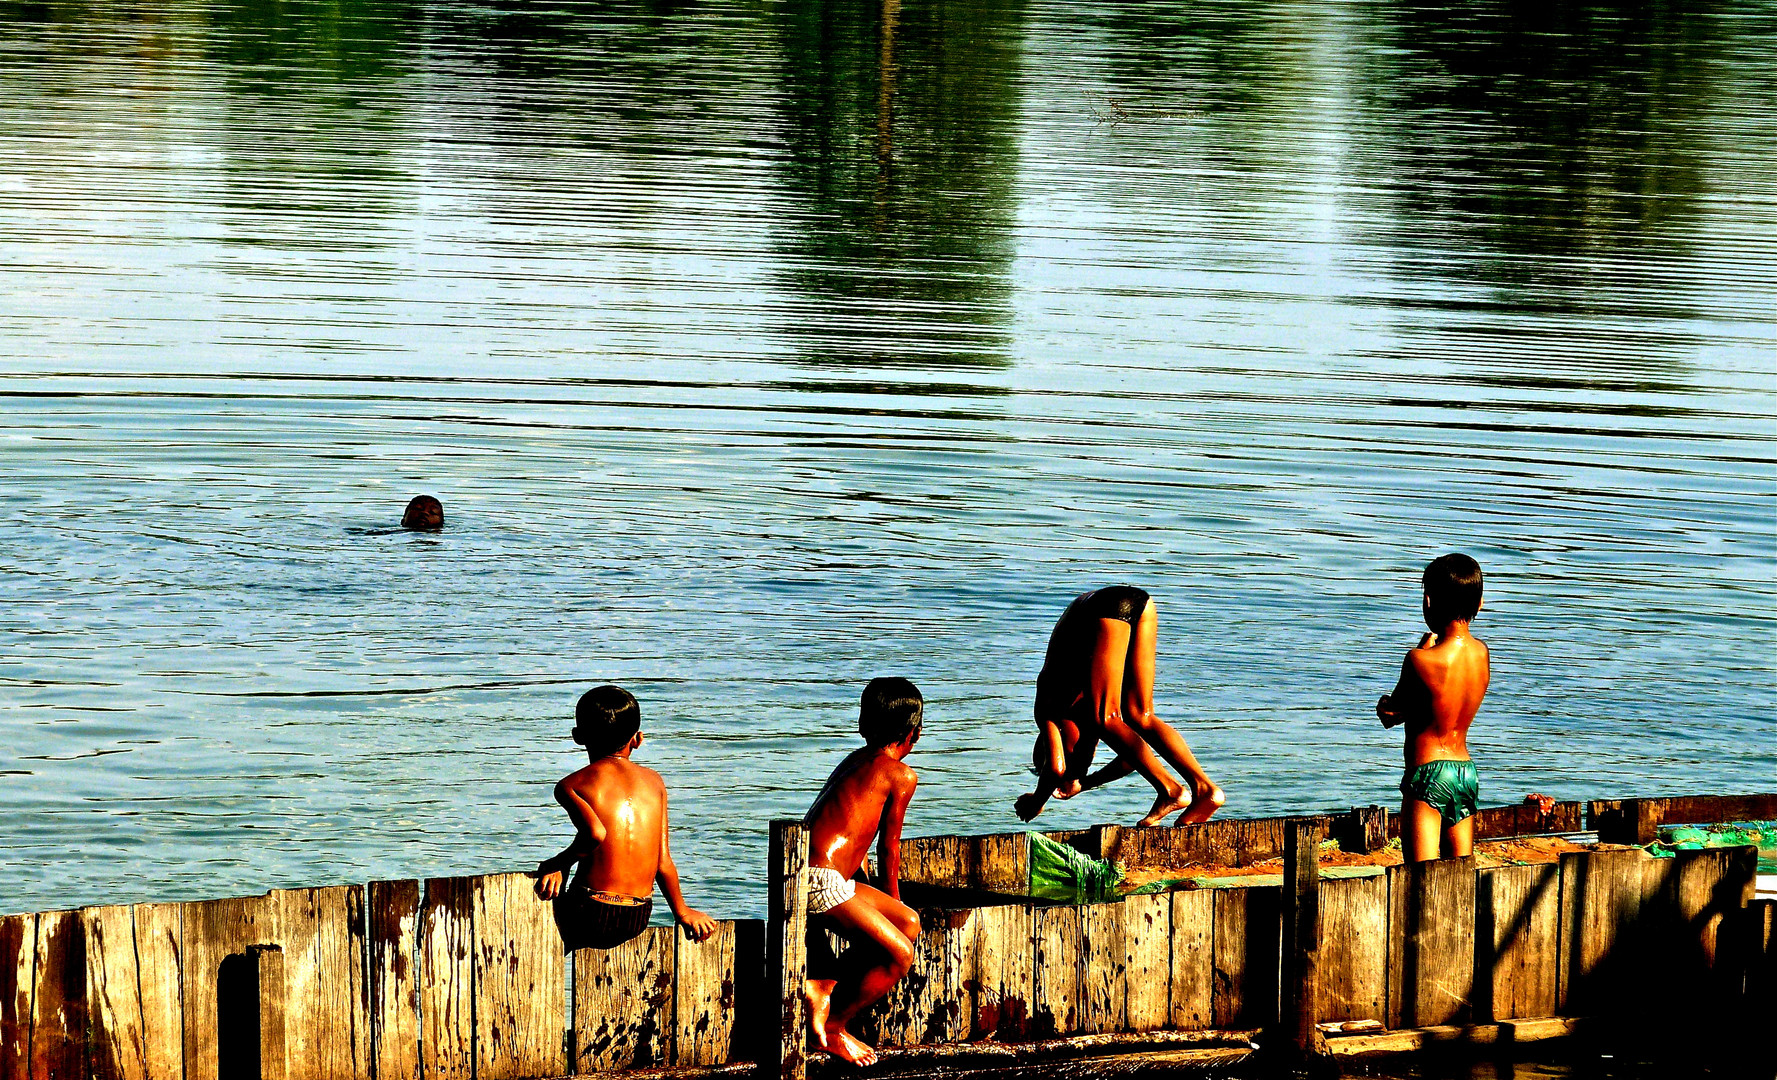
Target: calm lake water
{"type": "Point", "coordinates": [756, 349]}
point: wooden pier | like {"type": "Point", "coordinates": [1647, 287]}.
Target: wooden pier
{"type": "Point", "coordinates": [466, 978]}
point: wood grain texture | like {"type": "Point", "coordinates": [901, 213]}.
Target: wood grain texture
{"type": "Point", "coordinates": [58, 1002]}
{"type": "Point", "coordinates": [1353, 948]}
{"type": "Point", "coordinates": [623, 1003]}
{"type": "Point", "coordinates": [1437, 942]}
{"type": "Point", "coordinates": [705, 999]}
{"type": "Point", "coordinates": [1055, 1003]}
{"type": "Point", "coordinates": [787, 942]}
{"type": "Point", "coordinates": [1601, 899]}
{"type": "Point", "coordinates": [18, 959]}
{"type": "Point", "coordinates": [214, 932]}
{"type": "Point", "coordinates": [1248, 930]}
{"type": "Point", "coordinates": [446, 979]}
{"type": "Point", "coordinates": [1193, 960]}
{"type": "Point", "coordinates": [113, 995]}
{"type": "Point", "coordinates": [1002, 863]}
{"type": "Point", "coordinates": [1104, 967]}
{"type": "Point", "coordinates": [392, 979]}
{"type": "Point", "coordinates": [326, 1014]}
{"type": "Point", "coordinates": [271, 982]}
{"type": "Point", "coordinates": [1004, 974]}
{"type": "Point", "coordinates": [160, 978]}
{"type": "Point", "coordinates": [519, 977]}
{"type": "Point", "coordinates": [1709, 889]}
{"type": "Point", "coordinates": [1147, 958]}
{"type": "Point", "coordinates": [1517, 942]}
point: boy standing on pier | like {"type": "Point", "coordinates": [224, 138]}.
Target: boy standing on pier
{"type": "Point", "coordinates": [866, 798]}
{"type": "Point", "coordinates": [619, 813]}
{"type": "Point", "coordinates": [1440, 690]}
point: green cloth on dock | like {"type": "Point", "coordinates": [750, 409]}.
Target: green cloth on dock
{"type": "Point", "coordinates": [1058, 872]}
{"type": "Point", "coordinates": [1757, 834]}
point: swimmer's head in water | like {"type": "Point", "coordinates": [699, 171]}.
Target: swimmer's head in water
{"type": "Point", "coordinates": [606, 719]}
{"type": "Point", "coordinates": [891, 710]}
{"type": "Point", "coordinates": [1452, 590]}
{"type": "Point", "coordinates": [424, 513]}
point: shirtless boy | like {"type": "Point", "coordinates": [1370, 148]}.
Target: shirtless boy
{"type": "Point", "coordinates": [866, 798]}
{"type": "Point", "coordinates": [1098, 683]}
{"type": "Point", "coordinates": [619, 813]}
{"type": "Point", "coordinates": [1441, 687]}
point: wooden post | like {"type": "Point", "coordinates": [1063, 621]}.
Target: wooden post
{"type": "Point", "coordinates": [268, 972]}
{"type": "Point", "coordinates": [1362, 829]}
{"type": "Point", "coordinates": [1301, 940]}
{"type": "Point", "coordinates": [787, 938]}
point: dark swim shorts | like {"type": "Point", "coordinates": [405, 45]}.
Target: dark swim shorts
{"type": "Point", "coordinates": [1452, 788]}
{"type": "Point", "coordinates": [587, 921]}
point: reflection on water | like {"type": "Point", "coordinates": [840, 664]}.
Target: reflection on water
{"type": "Point", "coordinates": [756, 351]}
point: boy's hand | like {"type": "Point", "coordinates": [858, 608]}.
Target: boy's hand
{"type": "Point", "coordinates": [698, 926]}
{"type": "Point", "coordinates": [1028, 806]}
{"type": "Point", "coordinates": [548, 884]}
{"type": "Point", "coordinates": [1428, 641]}
{"type": "Point", "coordinates": [1386, 712]}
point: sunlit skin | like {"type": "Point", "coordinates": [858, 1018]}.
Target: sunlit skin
{"type": "Point", "coordinates": [423, 514]}
{"type": "Point", "coordinates": [620, 836]}
{"type": "Point", "coordinates": [865, 799]}
{"type": "Point", "coordinates": [1442, 683]}
{"type": "Point", "coordinates": [1118, 706]}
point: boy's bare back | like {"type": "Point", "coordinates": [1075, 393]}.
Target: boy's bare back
{"type": "Point", "coordinates": [867, 793]}
{"type": "Point", "coordinates": [621, 804]}
{"type": "Point", "coordinates": [1442, 684]}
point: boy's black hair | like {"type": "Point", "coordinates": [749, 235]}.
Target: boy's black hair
{"type": "Point", "coordinates": [1452, 589]}
{"type": "Point", "coordinates": [606, 719]}
{"type": "Point", "coordinates": [891, 710]}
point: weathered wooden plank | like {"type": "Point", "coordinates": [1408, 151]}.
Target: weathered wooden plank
{"type": "Point", "coordinates": [519, 980]}
{"type": "Point", "coordinates": [215, 935]}
{"type": "Point", "coordinates": [1438, 942]}
{"type": "Point", "coordinates": [58, 1002]}
{"type": "Point", "coordinates": [936, 860]}
{"type": "Point", "coordinates": [624, 1003]}
{"type": "Point", "coordinates": [1517, 942]}
{"type": "Point", "coordinates": [1709, 888]}
{"type": "Point", "coordinates": [326, 1017]}
{"type": "Point", "coordinates": [18, 958]}
{"type": "Point", "coordinates": [1361, 829]}
{"type": "Point", "coordinates": [446, 981]}
{"type": "Point", "coordinates": [1147, 940]}
{"type": "Point", "coordinates": [787, 942]}
{"type": "Point", "coordinates": [704, 1001]}
{"type": "Point", "coordinates": [1193, 960]}
{"type": "Point", "coordinates": [1002, 863]}
{"type": "Point", "coordinates": [113, 994]}
{"type": "Point", "coordinates": [1300, 961]}
{"type": "Point", "coordinates": [270, 995]}
{"type": "Point", "coordinates": [393, 979]}
{"type": "Point", "coordinates": [1004, 972]}
{"type": "Point", "coordinates": [947, 948]}
{"type": "Point", "coordinates": [753, 1005]}
{"type": "Point", "coordinates": [1601, 898]}
{"type": "Point", "coordinates": [1636, 821]}
{"type": "Point", "coordinates": [1248, 931]}
{"type": "Point", "coordinates": [1104, 966]}
{"type": "Point", "coordinates": [1055, 1003]}
{"type": "Point", "coordinates": [159, 981]}
{"type": "Point", "coordinates": [1354, 948]}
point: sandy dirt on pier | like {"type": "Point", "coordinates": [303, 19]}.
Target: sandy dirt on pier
{"type": "Point", "coordinates": [1508, 851]}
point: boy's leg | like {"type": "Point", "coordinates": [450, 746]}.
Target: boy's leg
{"type": "Point", "coordinates": [1458, 841]}
{"type": "Point", "coordinates": [1421, 830]}
{"type": "Point", "coordinates": [882, 931]}
{"type": "Point", "coordinates": [1138, 712]}
{"type": "Point", "coordinates": [1170, 796]}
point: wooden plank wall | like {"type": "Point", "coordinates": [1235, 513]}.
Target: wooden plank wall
{"type": "Point", "coordinates": [1636, 821]}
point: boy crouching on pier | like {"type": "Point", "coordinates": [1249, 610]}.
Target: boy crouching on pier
{"type": "Point", "coordinates": [619, 813]}
{"type": "Point", "coordinates": [866, 798]}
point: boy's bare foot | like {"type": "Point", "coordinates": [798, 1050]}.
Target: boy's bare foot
{"type": "Point", "coordinates": [1205, 801]}
{"type": "Point", "coordinates": [843, 1044]}
{"type": "Point", "coordinates": [1165, 804]}
{"type": "Point", "coordinates": [818, 995]}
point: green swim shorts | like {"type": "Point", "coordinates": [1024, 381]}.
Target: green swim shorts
{"type": "Point", "coordinates": [1452, 788]}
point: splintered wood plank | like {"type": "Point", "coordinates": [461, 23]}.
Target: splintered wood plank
{"type": "Point", "coordinates": [1517, 942]}
{"type": "Point", "coordinates": [1248, 937]}
{"type": "Point", "coordinates": [704, 999]}
{"type": "Point", "coordinates": [1601, 897]}
{"type": "Point", "coordinates": [935, 860]}
{"type": "Point", "coordinates": [1004, 972]}
{"type": "Point", "coordinates": [215, 935]}
{"type": "Point", "coordinates": [787, 951]}
{"type": "Point", "coordinates": [519, 980]}
{"type": "Point", "coordinates": [1438, 942]}
{"type": "Point", "coordinates": [113, 994]}
{"type": "Point", "coordinates": [948, 1005]}
{"type": "Point", "coordinates": [326, 1022]}
{"type": "Point", "coordinates": [58, 1003]}
{"type": "Point", "coordinates": [393, 979]}
{"type": "Point", "coordinates": [1147, 943]}
{"type": "Point", "coordinates": [1002, 863]}
{"type": "Point", "coordinates": [1193, 959]}
{"type": "Point", "coordinates": [1104, 966]}
{"type": "Point", "coordinates": [623, 1003]}
{"type": "Point", "coordinates": [159, 981]}
{"type": "Point", "coordinates": [1353, 948]}
{"type": "Point", "coordinates": [1055, 1007]}
{"type": "Point", "coordinates": [18, 957]}
{"type": "Point", "coordinates": [447, 936]}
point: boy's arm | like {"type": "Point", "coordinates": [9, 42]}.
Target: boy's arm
{"type": "Point", "coordinates": [1054, 756]}
{"type": "Point", "coordinates": [1117, 769]}
{"type": "Point", "coordinates": [589, 833]}
{"type": "Point", "coordinates": [1409, 695]}
{"type": "Point", "coordinates": [888, 837]}
{"type": "Point", "coordinates": [698, 926]}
